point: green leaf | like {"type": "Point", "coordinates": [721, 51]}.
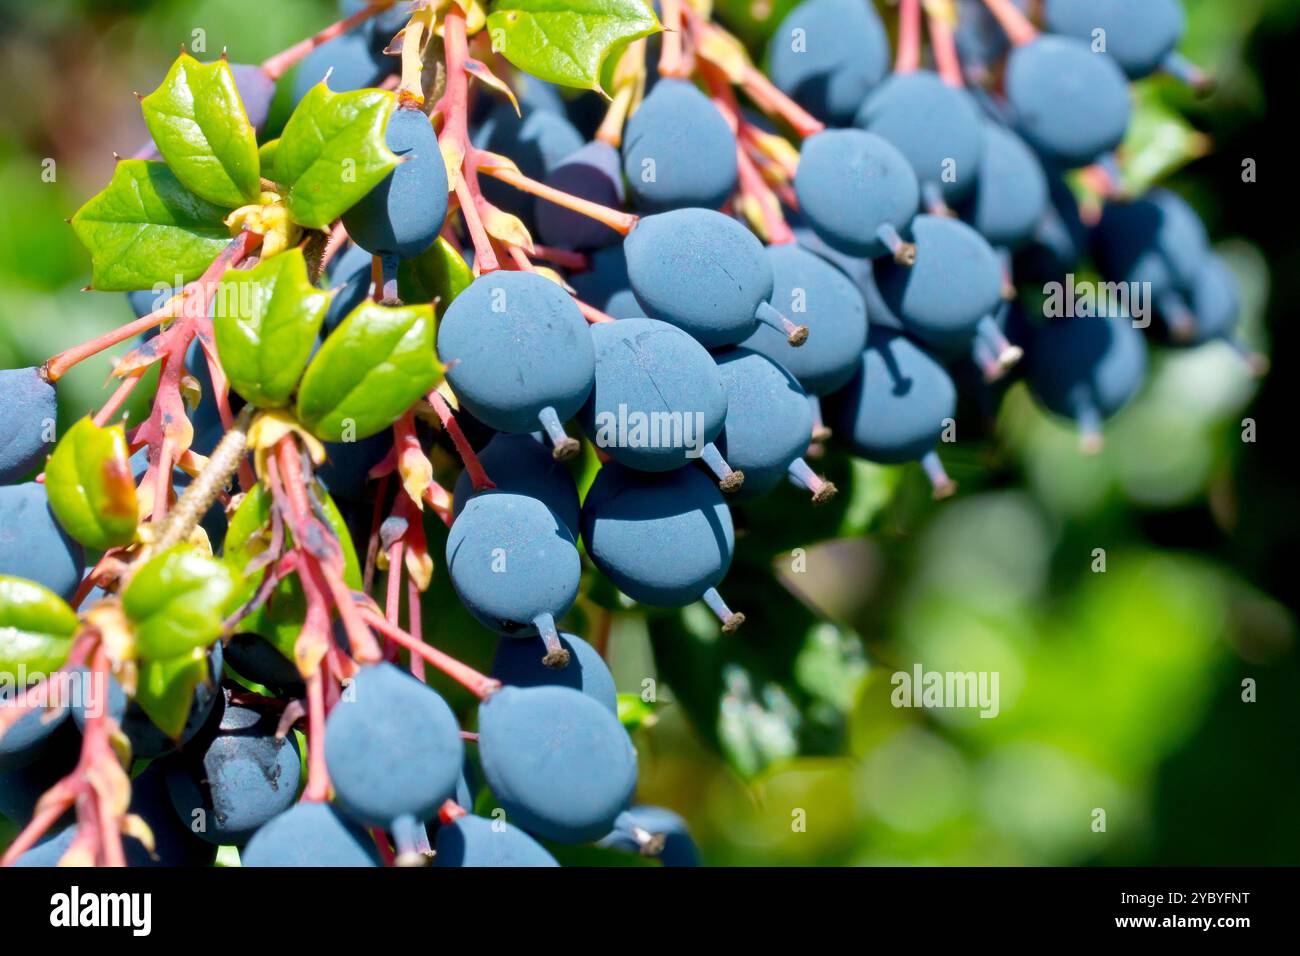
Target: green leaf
{"type": "Point", "coordinates": [197, 121]}
{"type": "Point", "coordinates": [165, 688]}
{"type": "Point", "coordinates": [91, 489]}
{"type": "Point", "coordinates": [178, 601]}
{"type": "Point", "coordinates": [566, 41]}
{"type": "Point", "coordinates": [332, 152]}
{"type": "Point", "coordinates": [266, 155]}
{"type": "Point", "coordinates": [266, 323]}
{"type": "Point", "coordinates": [36, 627]}
{"type": "Point", "coordinates": [145, 228]}
{"type": "Point", "coordinates": [375, 366]}
{"type": "Point", "coordinates": [437, 275]}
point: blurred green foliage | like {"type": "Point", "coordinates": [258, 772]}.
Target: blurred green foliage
{"type": "Point", "coordinates": [1120, 690]}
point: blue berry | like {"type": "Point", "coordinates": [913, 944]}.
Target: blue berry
{"type": "Point", "coordinates": [231, 785]}
{"type": "Point", "coordinates": [518, 353]}
{"type": "Point", "coordinates": [936, 126]}
{"type": "Point", "coordinates": [828, 55]}
{"type": "Point", "coordinates": [475, 841]}
{"type": "Point", "coordinates": [658, 398]}
{"type": "Point", "coordinates": [32, 543]}
{"type": "Point", "coordinates": [857, 191]}
{"type": "Point", "coordinates": [311, 834]}
{"type": "Point", "coordinates": [1087, 369]}
{"type": "Point", "coordinates": [393, 749]}
{"type": "Point", "coordinates": [1071, 104]}
{"type": "Point", "coordinates": [665, 540]}
{"type": "Point", "coordinates": [678, 151]}
{"type": "Point", "coordinates": [897, 408]}
{"type": "Point", "coordinates": [560, 763]}
{"type": "Point", "coordinates": [1140, 36]}
{"type": "Point", "coordinates": [704, 273]}
{"type": "Point", "coordinates": [605, 284]}
{"type": "Point", "coordinates": [254, 658]}
{"type": "Point", "coordinates": [654, 832]}
{"type": "Point", "coordinates": [31, 737]}
{"type": "Point", "coordinates": [592, 173]}
{"type": "Point", "coordinates": [256, 91]}
{"type": "Point", "coordinates": [819, 295]}
{"type": "Point", "coordinates": [519, 663]}
{"type": "Point", "coordinates": [769, 425]}
{"type": "Point", "coordinates": [1011, 196]}
{"type": "Point", "coordinates": [29, 410]}
{"type": "Point", "coordinates": [521, 465]}
{"type": "Point", "coordinates": [401, 216]}
{"type": "Point", "coordinates": [350, 60]}
{"type": "Point", "coordinates": [954, 284]}
{"type": "Point", "coordinates": [513, 564]}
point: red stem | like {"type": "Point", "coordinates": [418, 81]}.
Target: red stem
{"type": "Point", "coordinates": [480, 685]}
{"type": "Point", "coordinates": [909, 37]}
{"type": "Point", "coordinates": [477, 476]}
{"type": "Point", "coordinates": [944, 48]}
{"type": "Point", "coordinates": [1015, 24]}
{"type": "Point", "coordinates": [276, 66]}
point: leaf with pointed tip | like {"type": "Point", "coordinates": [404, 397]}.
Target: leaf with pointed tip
{"type": "Point", "coordinates": [36, 627]}
{"type": "Point", "coordinates": [91, 489]}
{"type": "Point", "coordinates": [165, 688]}
{"type": "Point", "coordinates": [178, 601]}
{"type": "Point", "coordinates": [145, 228]}
{"type": "Point", "coordinates": [266, 322]}
{"type": "Point", "coordinates": [378, 363]}
{"type": "Point", "coordinates": [332, 152]}
{"type": "Point", "coordinates": [437, 275]}
{"type": "Point", "coordinates": [197, 121]}
{"type": "Point", "coordinates": [567, 41]}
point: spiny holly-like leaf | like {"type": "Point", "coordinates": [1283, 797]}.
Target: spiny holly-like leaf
{"type": "Point", "coordinates": [36, 627]}
{"type": "Point", "coordinates": [266, 323]}
{"type": "Point", "coordinates": [145, 229]}
{"type": "Point", "coordinates": [165, 688]}
{"type": "Point", "coordinates": [332, 152]}
{"type": "Point", "coordinates": [375, 366]}
{"type": "Point", "coordinates": [91, 489]}
{"type": "Point", "coordinates": [178, 601]}
{"type": "Point", "coordinates": [198, 123]}
{"type": "Point", "coordinates": [437, 275]}
{"type": "Point", "coordinates": [567, 41]}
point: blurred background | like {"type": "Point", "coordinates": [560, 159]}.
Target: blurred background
{"type": "Point", "coordinates": [1120, 690]}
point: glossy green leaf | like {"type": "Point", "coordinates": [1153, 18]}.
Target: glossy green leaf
{"type": "Point", "coordinates": [36, 627]}
{"type": "Point", "coordinates": [197, 121]}
{"type": "Point", "coordinates": [567, 41]}
{"type": "Point", "coordinates": [91, 489]}
{"type": "Point", "coordinates": [332, 152]}
{"type": "Point", "coordinates": [145, 228]}
{"type": "Point", "coordinates": [178, 601]}
{"type": "Point", "coordinates": [376, 365]}
{"type": "Point", "coordinates": [437, 275]}
{"type": "Point", "coordinates": [266, 322]}
{"type": "Point", "coordinates": [165, 688]}
{"type": "Point", "coordinates": [266, 155]}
